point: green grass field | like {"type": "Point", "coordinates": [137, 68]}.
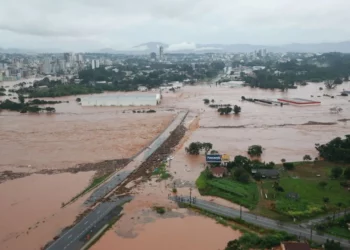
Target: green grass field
{"type": "Point", "coordinates": [338, 231]}
{"type": "Point", "coordinates": [226, 188]}
{"type": "Point", "coordinates": [304, 181]}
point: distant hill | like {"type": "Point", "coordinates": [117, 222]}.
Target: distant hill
{"type": "Point", "coordinates": [146, 48]}
{"type": "Point", "coordinates": [343, 47]}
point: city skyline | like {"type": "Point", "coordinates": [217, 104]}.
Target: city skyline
{"type": "Point", "coordinates": [90, 26]}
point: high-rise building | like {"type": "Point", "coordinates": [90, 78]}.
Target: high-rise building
{"type": "Point", "coordinates": [93, 64]}
{"type": "Point", "coordinates": [97, 63]}
{"type": "Point", "coordinates": [161, 53]}
{"type": "Point", "coordinates": [46, 66]}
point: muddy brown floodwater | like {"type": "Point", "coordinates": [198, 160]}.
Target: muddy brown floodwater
{"type": "Point", "coordinates": [188, 233]}
{"type": "Point", "coordinates": [64, 139]}
{"type": "Point", "coordinates": [278, 129]}
{"type": "Point", "coordinates": [78, 134]}
{"type": "Point", "coordinates": [31, 213]}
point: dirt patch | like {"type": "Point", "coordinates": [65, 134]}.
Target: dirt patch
{"type": "Point", "coordinates": [145, 171]}
{"type": "Point", "coordinates": [101, 169]}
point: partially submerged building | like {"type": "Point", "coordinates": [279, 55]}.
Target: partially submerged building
{"type": "Point", "coordinates": [121, 100]}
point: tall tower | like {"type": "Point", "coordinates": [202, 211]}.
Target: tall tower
{"type": "Point", "coordinates": [161, 53]}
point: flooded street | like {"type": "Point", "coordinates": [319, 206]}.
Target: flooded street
{"type": "Point", "coordinates": [31, 211]}
{"type": "Point", "coordinates": [190, 232]}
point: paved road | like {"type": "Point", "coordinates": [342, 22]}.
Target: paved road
{"type": "Point", "coordinates": [107, 187]}
{"type": "Point", "coordinates": [323, 218]}
{"type": "Point", "coordinates": [295, 229]}
{"type": "Point", "coordinates": [73, 238]}
{"type": "Point", "coordinates": [121, 176]}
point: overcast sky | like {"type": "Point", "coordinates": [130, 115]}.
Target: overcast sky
{"type": "Point", "coordinates": [82, 25]}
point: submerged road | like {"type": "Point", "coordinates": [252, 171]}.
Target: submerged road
{"type": "Point", "coordinates": [264, 222]}
{"type": "Point", "coordinates": [122, 175]}
{"type": "Point", "coordinates": [73, 239]}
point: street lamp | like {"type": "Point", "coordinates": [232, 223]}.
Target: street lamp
{"type": "Point", "coordinates": [190, 196]}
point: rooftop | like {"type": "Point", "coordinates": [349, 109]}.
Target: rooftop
{"type": "Point", "coordinates": [295, 246]}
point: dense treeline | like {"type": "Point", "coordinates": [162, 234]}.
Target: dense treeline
{"type": "Point", "coordinates": [329, 66]}
{"type": "Point", "coordinates": [24, 107]}
{"type": "Point", "coordinates": [126, 78]}
{"type": "Point", "coordinates": [337, 150]}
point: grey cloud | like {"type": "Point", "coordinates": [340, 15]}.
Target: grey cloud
{"type": "Point", "coordinates": [120, 23]}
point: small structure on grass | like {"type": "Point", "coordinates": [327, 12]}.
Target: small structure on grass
{"type": "Point", "coordinates": [267, 173]}
{"type": "Point", "coordinates": [293, 196]}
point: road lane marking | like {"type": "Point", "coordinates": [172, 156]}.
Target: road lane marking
{"type": "Point", "coordinates": [69, 236]}
{"type": "Point", "coordinates": [86, 222]}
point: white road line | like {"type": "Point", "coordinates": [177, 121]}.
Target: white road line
{"type": "Point", "coordinates": [86, 222]}
{"type": "Point", "coordinates": [69, 236]}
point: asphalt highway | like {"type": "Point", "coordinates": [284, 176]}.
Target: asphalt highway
{"type": "Point", "coordinates": [73, 238]}
{"type": "Point", "coordinates": [294, 229]}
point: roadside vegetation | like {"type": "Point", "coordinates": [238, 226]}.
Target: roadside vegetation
{"type": "Point", "coordinates": [338, 227]}
{"type": "Point", "coordinates": [162, 172]}
{"type": "Point", "coordinates": [95, 182]}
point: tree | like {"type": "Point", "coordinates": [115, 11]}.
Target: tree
{"type": "Point", "coordinates": [194, 148]}
{"type": "Point", "coordinates": [237, 109]}
{"type": "Point", "coordinates": [213, 152]}
{"type": "Point", "coordinates": [21, 99]}
{"type": "Point", "coordinates": [206, 146]}
{"type": "Point", "coordinates": [255, 150]}
{"type": "Point", "coordinates": [50, 109]}
{"type": "Point", "coordinates": [234, 245]}
{"type": "Point", "coordinates": [244, 178]}
{"type": "Point", "coordinates": [206, 101]}
{"type": "Point", "coordinates": [347, 173]}
{"type": "Point", "coordinates": [307, 158]}
{"type": "Point", "coordinates": [78, 100]}
{"type": "Point", "coordinates": [332, 245]}
{"type": "Point", "coordinates": [283, 160]}
{"type": "Point", "coordinates": [212, 100]}
{"type": "Point", "coordinates": [337, 172]}
{"type": "Point", "coordinates": [325, 199]}
{"type": "Point", "coordinates": [322, 184]}
{"type": "Point", "coordinates": [330, 84]}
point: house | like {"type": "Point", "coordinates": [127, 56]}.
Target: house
{"type": "Point", "coordinates": [295, 246]}
{"type": "Point", "coordinates": [267, 173]}
{"type": "Point", "coordinates": [218, 172]}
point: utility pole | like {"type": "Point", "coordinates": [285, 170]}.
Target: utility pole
{"type": "Point", "coordinates": [190, 196]}
{"type": "Point", "coordinates": [311, 233]}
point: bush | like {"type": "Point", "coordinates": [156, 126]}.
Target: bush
{"type": "Point", "coordinates": [288, 165]}
{"type": "Point", "coordinates": [159, 210]}
{"type": "Point", "coordinates": [78, 100]}
{"type": "Point", "coordinates": [307, 158]}
{"type": "Point", "coordinates": [206, 101]}
{"type": "Point", "coordinates": [237, 109]}
{"type": "Point", "coordinates": [337, 172]}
